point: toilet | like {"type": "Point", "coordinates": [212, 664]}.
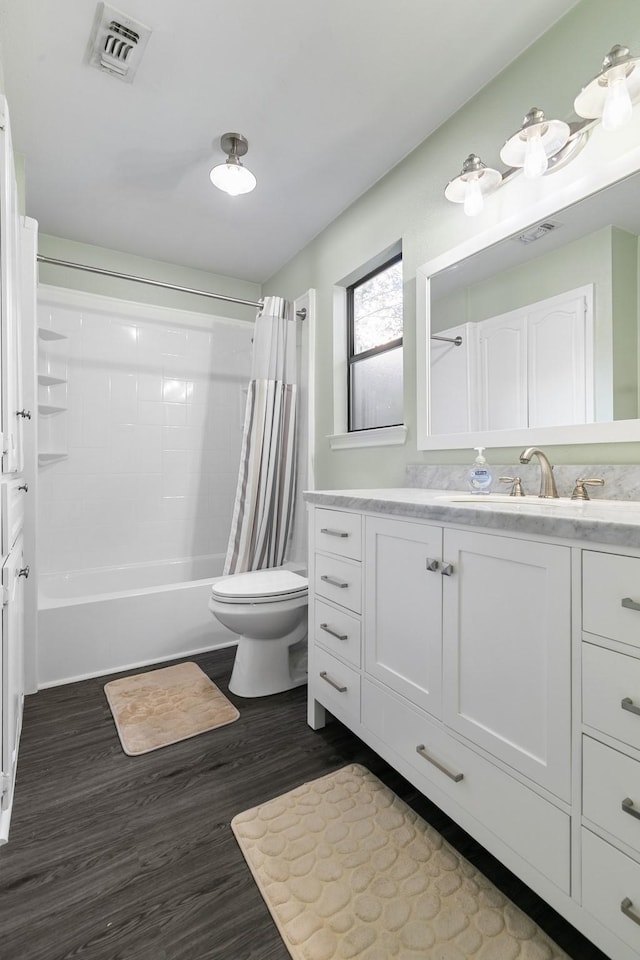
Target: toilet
{"type": "Point", "coordinates": [268, 609]}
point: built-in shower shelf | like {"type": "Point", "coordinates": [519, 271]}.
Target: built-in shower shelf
{"type": "Point", "coordinates": [51, 455]}
{"type": "Point", "coordinates": [45, 333]}
{"type": "Point", "coordinates": [48, 409]}
{"type": "Point", "coordinates": [46, 380]}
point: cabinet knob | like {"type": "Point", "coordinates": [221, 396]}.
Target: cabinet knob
{"type": "Point", "coordinates": [24, 572]}
{"type": "Point", "coordinates": [432, 565]}
{"type": "Point", "coordinates": [447, 570]}
{"type": "Point", "coordinates": [24, 486]}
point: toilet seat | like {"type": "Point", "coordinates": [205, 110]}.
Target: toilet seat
{"type": "Point", "coordinates": [260, 586]}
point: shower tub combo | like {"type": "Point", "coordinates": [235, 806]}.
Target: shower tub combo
{"type": "Point", "coordinates": [93, 622]}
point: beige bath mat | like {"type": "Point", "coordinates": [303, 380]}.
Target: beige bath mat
{"type": "Point", "coordinates": [348, 870]}
{"type": "Point", "coordinates": [154, 709]}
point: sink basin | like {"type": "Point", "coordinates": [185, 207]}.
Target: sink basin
{"type": "Point", "coordinates": [528, 501]}
{"type": "Point", "coordinates": [535, 502]}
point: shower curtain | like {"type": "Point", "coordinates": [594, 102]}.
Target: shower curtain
{"type": "Point", "coordinates": [263, 509]}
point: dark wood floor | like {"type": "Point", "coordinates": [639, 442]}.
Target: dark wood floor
{"type": "Point", "coordinates": [119, 858]}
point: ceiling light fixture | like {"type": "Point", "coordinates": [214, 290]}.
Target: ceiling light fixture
{"type": "Point", "coordinates": [232, 176]}
{"type": "Point", "coordinates": [534, 143]}
{"type": "Point", "coordinates": [613, 92]}
{"type": "Point", "coordinates": [472, 183]}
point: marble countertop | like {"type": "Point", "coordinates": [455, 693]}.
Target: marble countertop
{"type": "Point", "coordinates": [598, 521]}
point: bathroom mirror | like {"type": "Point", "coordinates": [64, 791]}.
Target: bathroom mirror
{"type": "Point", "coordinates": [534, 339]}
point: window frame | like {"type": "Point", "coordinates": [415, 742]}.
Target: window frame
{"type": "Point", "coordinates": [352, 358]}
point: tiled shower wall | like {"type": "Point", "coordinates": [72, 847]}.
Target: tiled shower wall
{"type": "Point", "coordinates": [152, 431]}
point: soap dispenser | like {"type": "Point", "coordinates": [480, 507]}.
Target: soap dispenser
{"type": "Point", "coordinates": [480, 474]}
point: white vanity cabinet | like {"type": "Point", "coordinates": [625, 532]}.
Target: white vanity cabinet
{"type": "Point", "coordinates": [498, 670]}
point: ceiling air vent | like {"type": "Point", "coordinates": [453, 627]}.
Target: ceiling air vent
{"type": "Point", "coordinates": [538, 231]}
{"type": "Point", "coordinates": [117, 42]}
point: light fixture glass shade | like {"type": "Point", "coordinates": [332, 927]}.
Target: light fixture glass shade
{"type": "Point", "coordinates": [613, 92]}
{"type": "Point", "coordinates": [534, 143]}
{"type": "Point", "coordinates": [472, 184]}
{"type": "Point", "coordinates": [232, 177]}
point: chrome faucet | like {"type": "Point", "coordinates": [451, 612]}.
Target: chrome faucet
{"type": "Point", "coordinates": [547, 480]}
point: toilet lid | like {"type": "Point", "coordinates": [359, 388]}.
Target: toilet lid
{"type": "Point", "coordinates": [265, 585]}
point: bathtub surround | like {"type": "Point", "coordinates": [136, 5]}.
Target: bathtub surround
{"type": "Point", "coordinates": [161, 707]}
{"type": "Point", "coordinates": [152, 432]}
{"type": "Point", "coordinates": [263, 509]}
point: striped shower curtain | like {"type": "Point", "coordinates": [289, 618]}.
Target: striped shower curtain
{"type": "Point", "coordinates": [263, 509]}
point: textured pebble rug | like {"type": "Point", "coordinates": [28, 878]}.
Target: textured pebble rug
{"type": "Point", "coordinates": [348, 870]}
{"type": "Point", "coordinates": [153, 709]}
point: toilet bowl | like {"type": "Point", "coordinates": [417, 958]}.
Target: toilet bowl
{"type": "Point", "coordinates": [268, 609]}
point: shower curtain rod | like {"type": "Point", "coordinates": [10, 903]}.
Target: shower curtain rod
{"type": "Point", "coordinates": [301, 314]}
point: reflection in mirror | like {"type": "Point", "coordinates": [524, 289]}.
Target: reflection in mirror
{"type": "Point", "coordinates": [548, 323]}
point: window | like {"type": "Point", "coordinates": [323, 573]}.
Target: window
{"type": "Point", "coordinates": [374, 349]}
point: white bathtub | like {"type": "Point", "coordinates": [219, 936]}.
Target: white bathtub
{"type": "Point", "coordinates": [92, 622]}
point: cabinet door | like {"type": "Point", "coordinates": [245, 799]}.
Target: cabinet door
{"type": "Point", "coordinates": [560, 362]}
{"type": "Point", "coordinates": [9, 306]}
{"type": "Point", "coordinates": [502, 363]}
{"type": "Point", "coordinates": [507, 645]}
{"type": "Point", "coordinates": [403, 608]}
{"type": "Point", "coordinates": [12, 677]}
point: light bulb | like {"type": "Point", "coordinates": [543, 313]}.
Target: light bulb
{"type": "Point", "coordinates": [535, 158]}
{"type": "Point", "coordinates": [473, 199]}
{"type": "Point", "coordinates": [233, 178]}
{"type": "Point", "coordinates": [617, 106]}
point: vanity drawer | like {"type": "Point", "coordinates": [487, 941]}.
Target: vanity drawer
{"type": "Point", "coordinates": [503, 805]}
{"type": "Point", "coordinates": [611, 683]}
{"type": "Point", "coordinates": [336, 686]}
{"type": "Point", "coordinates": [338, 532]}
{"type": "Point", "coordinates": [608, 779]}
{"type": "Point", "coordinates": [339, 580]}
{"type": "Point", "coordinates": [609, 880]}
{"type": "Point", "coordinates": [610, 586]}
{"type": "Point", "coordinates": [338, 631]}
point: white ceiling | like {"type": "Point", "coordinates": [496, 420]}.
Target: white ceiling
{"type": "Point", "coordinates": [330, 93]}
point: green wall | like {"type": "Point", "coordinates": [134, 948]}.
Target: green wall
{"type": "Point", "coordinates": [408, 204]}
{"type": "Point", "coordinates": [140, 266]}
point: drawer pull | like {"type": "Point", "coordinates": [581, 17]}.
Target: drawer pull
{"type": "Point", "coordinates": [334, 581]}
{"type": "Point", "coordinates": [334, 633]}
{"type": "Point", "coordinates": [333, 533]}
{"type": "Point", "coordinates": [627, 704]}
{"type": "Point", "coordinates": [630, 604]}
{"type": "Point", "coordinates": [456, 777]}
{"type": "Point", "coordinates": [626, 907]}
{"type": "Point", "coordinates": [333, 683]}
{"type": "Point", "coordinates": [628, 807]}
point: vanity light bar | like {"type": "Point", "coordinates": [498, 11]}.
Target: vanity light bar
{"type": "Point", "coordinates": [541, 145]}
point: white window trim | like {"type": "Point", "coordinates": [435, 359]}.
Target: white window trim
{"type": "Point", "coordinates": [341, 438]}
{"type": "Point", "coordinates": [376, 437]}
